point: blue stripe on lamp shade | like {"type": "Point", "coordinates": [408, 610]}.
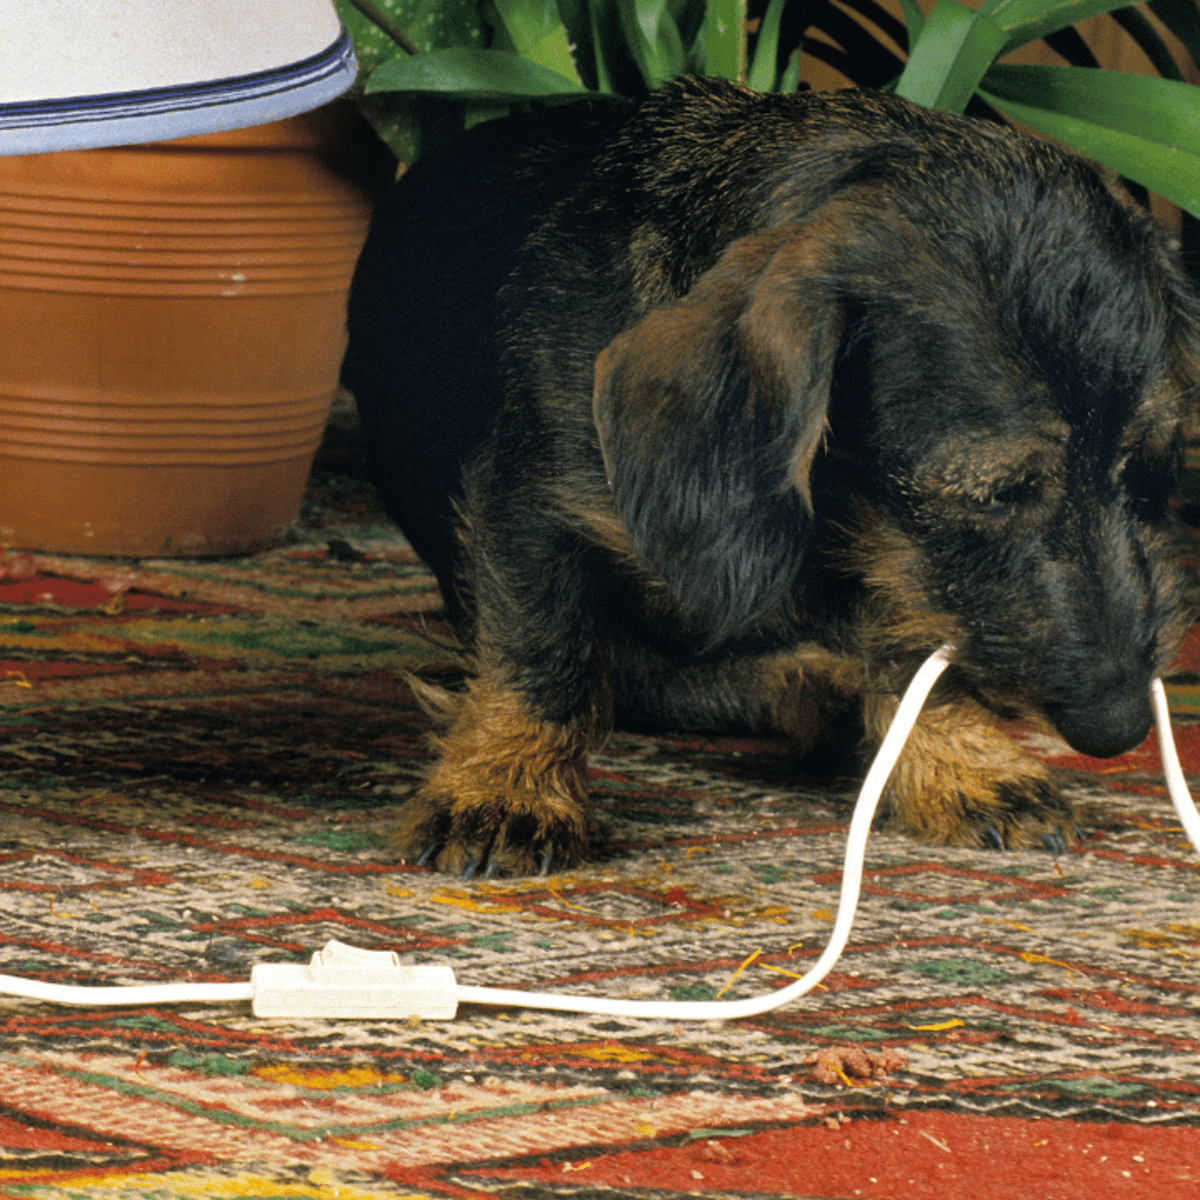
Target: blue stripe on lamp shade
{"type": "Point", "coordinates": [179, 110]}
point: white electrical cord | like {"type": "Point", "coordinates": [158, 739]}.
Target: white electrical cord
{"type": "Point", "coordinates": [856, 846]}
{"type": "Point", "coordinates": [150, 993]}
{"type": "Point", "coordinates": [342, 981]}
{"type": "Point", "coordinates": [1176, 784]}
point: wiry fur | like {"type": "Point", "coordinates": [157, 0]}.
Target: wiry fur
{"type": "Point", "coordinates": [722, 412]}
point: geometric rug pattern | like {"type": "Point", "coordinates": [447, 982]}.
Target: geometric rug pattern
{"type": "Point", "coordinates": [199, 766]}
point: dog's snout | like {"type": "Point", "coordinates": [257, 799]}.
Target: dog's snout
{"type": "Point", "coordinates": [1117, 721]}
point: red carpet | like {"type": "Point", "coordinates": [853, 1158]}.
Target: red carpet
{"type": "Point", "coordinates": [199, 765]}
{"type": "Point", "coordinates": [918, 1156]}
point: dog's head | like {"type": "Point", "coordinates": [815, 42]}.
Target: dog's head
{"type": "Point", "coordinates": [959, 375]}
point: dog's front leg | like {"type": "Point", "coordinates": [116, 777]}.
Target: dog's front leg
{"type": "Point", "coordinates": [960, 781]}
{"type": "Point", "coordinates": [507, 794]}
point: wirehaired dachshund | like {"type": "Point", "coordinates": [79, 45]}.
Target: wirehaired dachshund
{"type": "Point", "coordinates": [721, 411]}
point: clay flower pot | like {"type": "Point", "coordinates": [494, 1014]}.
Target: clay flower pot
{"type": "Point", "coordinates": [173, 325]}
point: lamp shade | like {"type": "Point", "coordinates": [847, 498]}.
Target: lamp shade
{"type": "Point", "coordinates": [77, 74]}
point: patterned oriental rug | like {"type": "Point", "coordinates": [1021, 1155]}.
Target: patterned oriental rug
{"type": "Point", "coordinates": [199, 765]}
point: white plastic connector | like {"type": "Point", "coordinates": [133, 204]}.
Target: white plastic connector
{"type": "Point", "coordinates": [344, 981]}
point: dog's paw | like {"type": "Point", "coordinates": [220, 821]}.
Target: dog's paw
{"type": "Point", "coordinates": [496, 835]}
{"type": "Point", "coordinates": [1034, 817]}
{"type": "Point", "coordinates": [961, 782]}
{"type": "Point", "coordinates": [1017, 812]}
{"type": "Point", "coordinates": [507, 794]}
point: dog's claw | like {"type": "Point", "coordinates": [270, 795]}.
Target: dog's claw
{"type": "Point", "coordinates": [492, 871]}
{"type": "Point", "coordinates": [547, 860]}
{"type": "Point", "coordinates": [992, 836]}
{"type": "Point", "coordinates": [428, 853]}
{"type": "Point", "coordinates": [471, 867]}
{"type": "Point", "coordinates": [1055, 843]}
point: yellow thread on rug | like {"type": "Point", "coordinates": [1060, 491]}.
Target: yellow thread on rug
{"type": "Point", "coordinates": [773, 912]}
{"type": "Point", "coordinates": [843, 1076]}
{"type": "Point", "coordinates": [779, 970]}
{"type": "Point", "coordinates": [606, 1053]}
{"type": "Point", "coordinates": [736, 973]}
{"type": "Point", "coordinates": [792, 950]}
{"type": "Point", "coordinates": [564, 901]}
{"type": "Point", "coordinates": [318, 1080]}
{"type": "Point", "coordinates": [472, 905]}
{"type": "Point", "coordinates": [1041, 958]}
{"type": "Point", "coordinates": [200, 1186]}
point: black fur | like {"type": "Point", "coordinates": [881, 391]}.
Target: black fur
{"type": "Point", "coordinates": [668, 394]}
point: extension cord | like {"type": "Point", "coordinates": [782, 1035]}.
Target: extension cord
{"type": "Point", "coordinates": [346, 982]}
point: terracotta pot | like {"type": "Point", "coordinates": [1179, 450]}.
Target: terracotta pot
{"type": "Point", "coordinates": [171, 327]}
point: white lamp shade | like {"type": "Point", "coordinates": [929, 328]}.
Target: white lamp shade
{"type": "Point", "coordinates": [82, 73]}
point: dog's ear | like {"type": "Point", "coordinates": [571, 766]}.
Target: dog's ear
{"type": "Point", "coordinates": [710, 412]}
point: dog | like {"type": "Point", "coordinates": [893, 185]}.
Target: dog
{"type": "Point", "coordinates": [719, 412]}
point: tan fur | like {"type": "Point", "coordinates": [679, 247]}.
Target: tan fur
{"type": "Point", "coordinates": [958, 774]}
{"type": "Point", "coordinates": [504, 786]}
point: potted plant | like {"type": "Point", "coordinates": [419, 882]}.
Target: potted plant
{"type": "Point", "coordinates": [174, 320]}
{"type": "Point", "coordinates": [1145, 128]}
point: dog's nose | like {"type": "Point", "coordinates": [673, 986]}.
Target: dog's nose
{"type": "Point", "coordinates": [1113, 723]}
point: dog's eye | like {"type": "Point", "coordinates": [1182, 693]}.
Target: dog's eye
{"type": "Point", "coordinates": [1019, 494]}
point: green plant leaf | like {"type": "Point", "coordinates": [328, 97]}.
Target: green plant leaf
{"type": "Point", "coordinates": [725, 39]}
{"type": "Point", "coordinates": [761, 75]}
{"type": "Point", "coordinates": [914, 20]}
{"type": "Point", "coordinates": [789, 81]}
{"type": "Point", "coordinates": [955, 48]}
{"type": "Point", "coordinates": [463, 74]}
{"type": "Point", "coordinates": [1144, 128]}
{"type": "Point", "coordinates": [1028, 20]}
{"type": "Point", "coordinates": [592, 28]}
{"type": "Point", "coordinates": [429, 23]}
{"type": "Point", "coordinates": [528, 21]}
{"type": "Point", "coordinates": [538, 34]}
{"type": "Point", "coordinates": [406, 123]}
{"type": "Point", "coordinates": [654, 39]}
{"type": "Point", "coordinates": [690, 19]}
{"type": "Point", "coordinates": [1161, 110]}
